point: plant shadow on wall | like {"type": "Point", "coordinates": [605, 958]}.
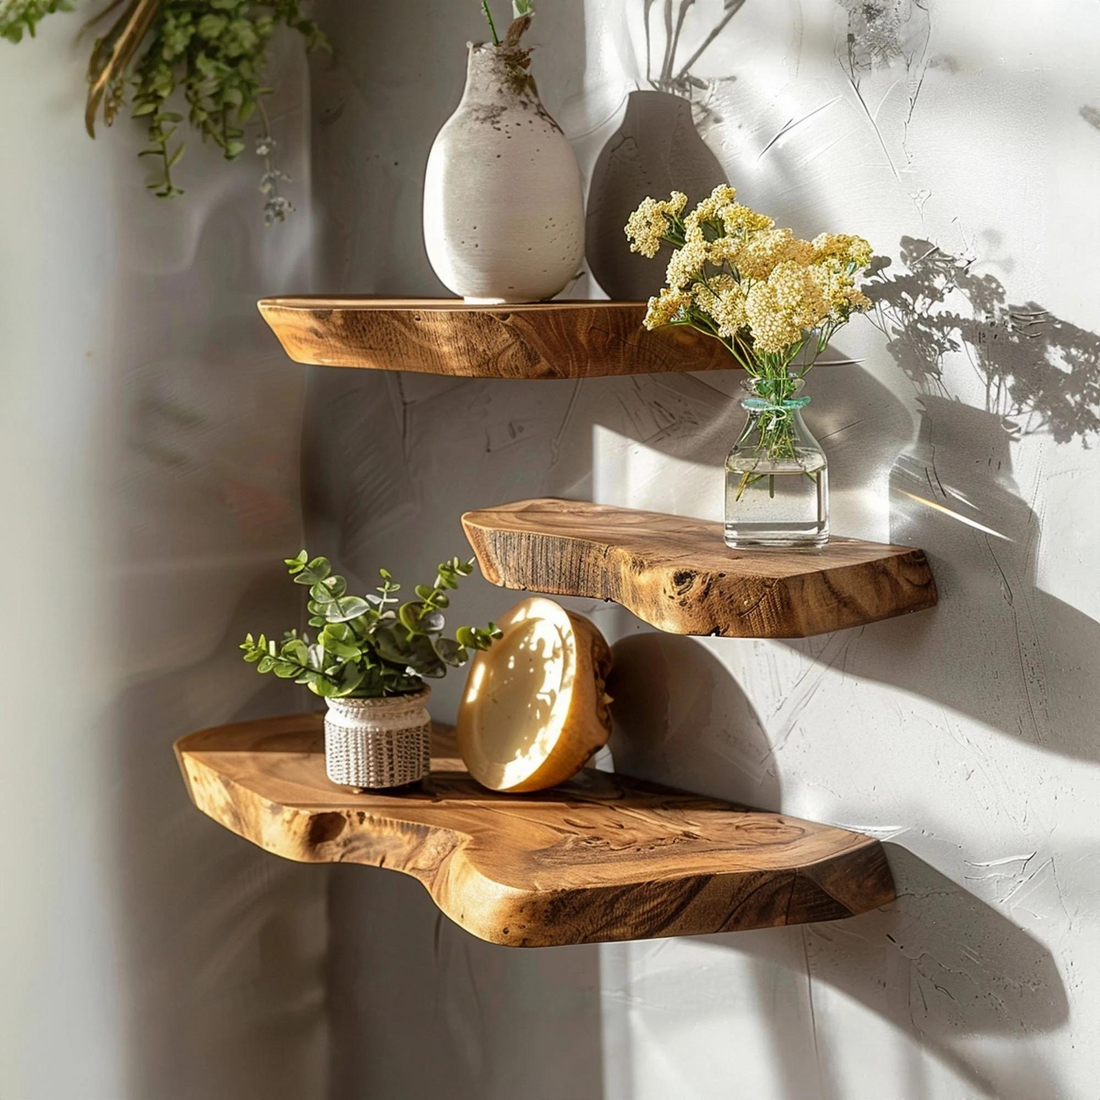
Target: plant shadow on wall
{"type": "Point", "coordinates": [1007, 652]}
{"type": "Point", "coordinates": [938, 961]}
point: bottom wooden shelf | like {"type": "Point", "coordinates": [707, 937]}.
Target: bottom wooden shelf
{"type": "Point", "coordinates": [602, 858]}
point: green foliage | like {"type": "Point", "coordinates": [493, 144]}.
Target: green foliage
{"type": "Point", "coordinates": [212, 54]}
{"type": "Point", "coordinates": [370, 645]}
{"type": "Point", "coordinates": [215, 53]}
{"type": "Point", "coordinates": [19, 17]}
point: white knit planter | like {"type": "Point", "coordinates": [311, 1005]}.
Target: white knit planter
{"type": "Point", "coordinates": [503, 210]}
{"type": "Point", "coordinates": [378, 742]}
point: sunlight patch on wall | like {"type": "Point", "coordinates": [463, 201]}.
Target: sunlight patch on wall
{"type": "Point", "coordinates": [633, 475]}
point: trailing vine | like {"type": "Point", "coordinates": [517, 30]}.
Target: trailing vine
{"type": "Point", "coordinates": [166, 57]}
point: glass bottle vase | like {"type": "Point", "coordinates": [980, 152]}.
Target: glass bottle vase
{"type": "Point", "coordinates": [777, 476]}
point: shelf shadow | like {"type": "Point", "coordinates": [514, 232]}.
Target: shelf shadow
{"type": "Point", "coordinates": [681, 719]}
{"type": "Point", "coordinates": [941, 966]}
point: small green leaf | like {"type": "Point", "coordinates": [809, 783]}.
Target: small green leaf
{"type": "Point", "coordinates": [340, 639]}
{"type": "Point", "coordinates": [450, 652]}
{"type": "Point", "coordinates": [321, 685]}
{"type": "Point", "coordinates": [349, 678]}
{"type": "Point", "coordinates": [391, 646]}
{"type": "Point", "coordinates": [321, 594]}
{"type": "Point", "coordinates": [210, 25]}
{"type": "Point", "coordinates": [410, 616]}
{"type": "Point", "coordinates": [345, 608]}
{"type": "Point", "coordinates": [312, 572]}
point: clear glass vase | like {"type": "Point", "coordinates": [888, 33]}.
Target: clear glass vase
{"type": "Point", "coordinates": [777, 476]}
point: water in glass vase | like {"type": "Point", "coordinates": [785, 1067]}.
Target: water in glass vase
{"type": "Point", "coordinates": [777, 503]}
{"type": "Point", "coordinates": [777, 479]}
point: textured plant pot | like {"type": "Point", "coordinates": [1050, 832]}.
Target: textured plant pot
{"type": "Point", "coordinates": [373, 743]}
{"type": "Point", "coordinates": [656, 149]}
{"type": "Point", "coordinates": [503, 208]}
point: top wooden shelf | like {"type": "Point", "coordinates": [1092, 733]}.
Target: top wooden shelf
{"type": "Point", "coordinates": [448, 336]}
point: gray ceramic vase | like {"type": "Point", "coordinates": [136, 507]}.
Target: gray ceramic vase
{"type": "Point", "coordinates": [655, 150]}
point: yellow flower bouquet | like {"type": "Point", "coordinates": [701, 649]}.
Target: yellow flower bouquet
{"type": "Point", "coordinates": [775, 301]}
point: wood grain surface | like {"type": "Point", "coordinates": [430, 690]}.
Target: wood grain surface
{"type": "Point", "coordinates": [678, 575]}
{"type": "Point", "coordinates": [601, 858]}
{"type": "Point", "coordinates": [447, 336]}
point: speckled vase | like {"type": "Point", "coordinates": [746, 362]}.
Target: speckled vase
{"type": "Point", "coordinates": [372, 743]}
{"type": "Point", "coordinates": [503, 209]}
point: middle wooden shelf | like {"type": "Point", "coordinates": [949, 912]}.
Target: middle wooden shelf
{"type": "Point", "coordinates": [678, 575]}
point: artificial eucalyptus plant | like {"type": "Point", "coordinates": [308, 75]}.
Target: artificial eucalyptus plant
{"type": "Point", "coordinates": [213, 53]}
{"type": "Point", "coordinates": [371, 645]}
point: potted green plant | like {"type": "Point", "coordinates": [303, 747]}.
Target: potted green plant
{"type": "Point", "coordinates": [368, 661]}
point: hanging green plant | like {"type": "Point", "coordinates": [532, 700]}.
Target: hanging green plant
{"type": "Point", "coordinates": [213, 53]}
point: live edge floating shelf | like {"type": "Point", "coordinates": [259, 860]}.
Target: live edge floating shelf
{"type": "Point", "coordinates": [602, 858]}
{"type": "Point", "coordinates": [678, 575]}
{"type": "Point", "coordinates": [449, 336]}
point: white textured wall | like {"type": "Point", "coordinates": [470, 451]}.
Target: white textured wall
{"type": "Point", "coordinates": [965, 737]}
{"type": "Point", "coordinates": [149, 434]}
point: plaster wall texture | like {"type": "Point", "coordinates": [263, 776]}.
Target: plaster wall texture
{"type": "Point", "coordinates": [962, 139]}
{"type": "Point", "coordinates": [150, 444]}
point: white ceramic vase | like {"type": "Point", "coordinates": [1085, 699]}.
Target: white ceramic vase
{"type": "Point", "coordinates": [503, 209]}
{"type": "Point", "coordinates": [372, 743]}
